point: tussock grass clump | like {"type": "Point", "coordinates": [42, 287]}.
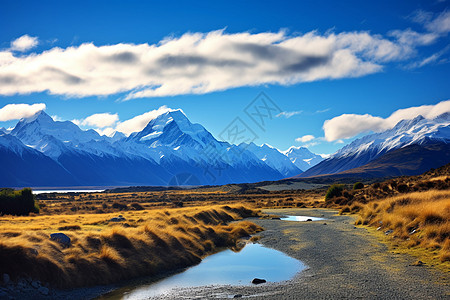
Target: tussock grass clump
{"type": "Point", "coordinates": [420, 219]}
{"type": "Point", "coordinates": [102, 252]}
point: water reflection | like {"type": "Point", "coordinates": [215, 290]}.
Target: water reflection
{"type": "Point", "coordinates": [225, 268]}
{"type": "Point", "coordinates": [301, 218]}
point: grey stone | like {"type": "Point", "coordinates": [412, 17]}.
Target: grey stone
{"type": "Point", "coordinates": [387, 232]}
{"type": "Point", "coordinates": [117, 219]}
{"type": "Point", "coordinates": [36, 284]}
{"type": "Point", "coordinates": [60, 238]}
{"type": "Point", "coordinates": [43, 290]}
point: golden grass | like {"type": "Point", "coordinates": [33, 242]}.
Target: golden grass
{"type": "Point", "coordinates": [420, 219]}
{"type": "Point", "coordinates": [101, 252]}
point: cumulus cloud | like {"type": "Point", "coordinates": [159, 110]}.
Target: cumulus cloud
{"type": "Point", "coordinates": [288, 114]}
{"type": "Point", "coordinates": [24, 43]}
{"type": "Point", "coordinates": [99, 120]}
{"type": "Point", "coordinates": [197, 63]}
{"type": "Point", "coordinates": [305, 138]}
{"type": "Point", "coordinates": [349, 125]}
{"type": "Point", "coordinates": [139, 122]}
{"type": "Point", "coordinates": [17, 111]}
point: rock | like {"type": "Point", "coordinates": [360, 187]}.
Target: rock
{"type": "Point", "coordinates": [6, 278]}
{"type": "Point", "coordinates": [324, 223]}
{"type": "Point", "coordinates": [418, 263]}
{"type": "Point", "coordinates": [308, 220]}
{"type": "Point", "coordinates": [258, 281]}
{"type": "Point", "coordinates": [34, 251]}
{"type": "Point", "coordinates": [36, 284]}
{"type": "Point", "coordinates": [117, 219]}
{"type": "Point", "coordinates": [379, 228]}
{"type": "Point", "coordinates": [387, 232]}
{"type": "Point", "coordinates": [413, 231]}
{"type": "Point", "coordinates": [43, 290]}
{"type": "Point", "coordinates": [237, 296]}
{"type": "Point", "coordinates": [276, 218]}
{"type": "Point", "coordinates": [60, 238]}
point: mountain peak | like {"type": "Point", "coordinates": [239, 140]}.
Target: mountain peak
{"type": "Point", "coordinates": [40, 116]}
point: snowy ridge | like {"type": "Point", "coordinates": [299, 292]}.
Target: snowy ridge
{"type": "Point", "coordinates": [405, 133]}
{"type": "Point", "coordinates": [170, 144]}
{"type": "Point", "coordinates": [417, 131]}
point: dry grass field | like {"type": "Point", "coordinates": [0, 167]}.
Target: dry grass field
{"type": "Point", "coordinates": [145, 242]}
{"type": "Point", "coordinates": [416, 219]}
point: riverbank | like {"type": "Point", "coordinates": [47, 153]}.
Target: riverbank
{"type": "Point", "coordinates": [343, 261]}
{"type": "Point", "coordinates": [38, 254]}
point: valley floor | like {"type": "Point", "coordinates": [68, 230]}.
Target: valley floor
{"type": "Point", "coordinates": [343, 261]}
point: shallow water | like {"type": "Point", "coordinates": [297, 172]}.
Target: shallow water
{"type": "Point", "coordinates": [301, 218]}
{"type": "Point", "coordinates": [224, 268]}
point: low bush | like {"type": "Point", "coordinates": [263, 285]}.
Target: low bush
{"type": "Point", "coordinates": [334, 190]}
{"type": "Point", "coordinates": [358, 185]}
{"type": "Point", "coordinates": [17, 202]}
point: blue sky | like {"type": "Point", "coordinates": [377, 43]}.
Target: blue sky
{"type": "Point", "coordinates": [316, 60]}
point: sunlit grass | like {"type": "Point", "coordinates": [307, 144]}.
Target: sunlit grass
{"type": "Point", "coordinates": [420, 219]}
{"type": "Point", "coordinates": [146, 243]}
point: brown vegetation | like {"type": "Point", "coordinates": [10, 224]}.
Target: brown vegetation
{"type": "Point", "coordinates": [418, 219]}
{"type": "Point", "coordinates": [101, 251]}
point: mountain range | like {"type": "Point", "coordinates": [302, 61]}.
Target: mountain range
{"type": "Point", "coordinates": [170, 150]}
{"type": "Point", "coordinates": [411, 147]}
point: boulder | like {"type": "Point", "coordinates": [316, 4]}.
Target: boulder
{"type": "Point", "coordinates": [60, 238]}
{"type": "Point", "coordinates": [258, 281]}
{"type": "Point", "coordinates": [43, 290]}
{"type": "Point", "coordinates": [309, 220]}
{"type": "Point", "coordinates": [36, 284]}
{"type": "Point", "coordinates": [117, 219]}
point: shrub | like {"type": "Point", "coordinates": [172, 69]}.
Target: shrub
{"type": "Point", "coordinates": [335, 190]}
{"type": "Point", "coordinates": [17, 202]}
{"type": "Point", "coordinates": [358, 186]}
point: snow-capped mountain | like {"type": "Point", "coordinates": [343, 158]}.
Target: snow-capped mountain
{"type": "Point", "coordinates": [302, 157]}
{"type": "Point", "coordinates": [273, 158]}
{"type": "Point", "coordinates": [168, 146]}
{"type": "Point", "coordinates": [417, 131]}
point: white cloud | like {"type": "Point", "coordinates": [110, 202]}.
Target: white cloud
{"type": "Point", "coordinates": [322, 110]}
{"type": "Point", "coordinates": [288, 114]}
{"type": "Point", "coordinates": [305, 138]}
{"type": "Point", "coordinates": [56, 118]}
{"type": "Point", "coordinates": [17, 111]}
{"type": "Point", "coordinates": [139, 122]}
{"type": "Point", "coordinates": [432, 59]}
{"type": "Point", "coordinates": [349, 125]}
{"type": "Point", "coordinates": [441, 24]}
{"type": "Point", "coordinates": [410, 37]}
{"type": "Point", "coordinates": [197, 63]}
{"type": "Point", "coordinates": [24, 43]}
{"type": "Point", "coordinates": [100, 120]}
